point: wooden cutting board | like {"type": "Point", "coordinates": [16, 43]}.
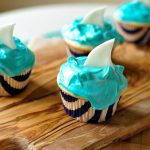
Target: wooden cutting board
{"type": "Point", "coordinates": [35, 119]}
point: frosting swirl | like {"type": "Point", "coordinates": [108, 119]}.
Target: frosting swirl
{"type": "Point", "coordinates": [14, 62]}
{"type": "Point", "coordinates": [134, 11]}
{"type": "Point", "coordinates": [89, 34]}
{"type": "Point", "coordinates": [101, 86]}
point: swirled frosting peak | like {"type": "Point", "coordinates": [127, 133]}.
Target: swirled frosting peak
{"type": "Point", "coordinates": [15, 61]}
{"type": "Point", "coordinates": [15, 57]}
{"type": "Point", "coordinates": [101, 86]}
{"type": "Point", "coordinates": [135, 11]}
{"type": "Point", "coordinates": [146, 2]}
{"type": "Point", "coordinates": [90, 34]}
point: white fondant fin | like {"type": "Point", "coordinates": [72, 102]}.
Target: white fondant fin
{"type": "Point", "coordinates": [6, 35]}
{"type": "Point", "coordinates": [95, 17]}
{"type": "Point", "coordinates": [101, 55]}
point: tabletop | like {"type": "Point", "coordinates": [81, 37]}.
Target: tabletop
{"type": "Point", "coordinates": [29, 28]}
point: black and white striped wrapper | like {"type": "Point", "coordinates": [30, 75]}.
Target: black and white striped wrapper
{"type": "Point", "coordinates": [133, 34]}
{"type": "Point", "coordinates": [10, 86]}
{"type": "Point", "coordinates": [82, 110]}
{"type": "Point", "coordinates": [74, 53]}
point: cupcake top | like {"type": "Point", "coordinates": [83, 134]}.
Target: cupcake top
{"type": "Point", "coordinates": [15, 57]}
{"type": "Point", "coordinates": [135, 11]}
{"type": "Point", "coordinates": [91, 30]}
{"type": "Point", "coordinates": [97, 80]}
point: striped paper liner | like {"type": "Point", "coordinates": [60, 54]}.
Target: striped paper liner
{"type": "Point", "coordinates": [13, 85]}
{"type": "Point", "coordinates": [133, 34]}
{"type": "Point", "coordinates": [82, 110]}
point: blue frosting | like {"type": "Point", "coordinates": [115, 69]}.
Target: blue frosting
{"type": "Point", "coordinates": [101, 86]}
{"type": "Point", "coordinates": [14, 62]}
{"type": "Point", "coordinates": [134, 11]}
{"type": "Point", "coordinates": [89, 34]}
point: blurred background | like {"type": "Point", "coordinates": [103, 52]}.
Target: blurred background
{"type": "Point", "coordinates": [6, 5]}
{"type": "Point", "coordinates": [49, 16]}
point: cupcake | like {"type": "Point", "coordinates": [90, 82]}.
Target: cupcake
{"type": "Point", "coordinates": [84, 34]}
{"type": "Point", "coordinates": [16, 62]}
{"type": "Point", "coordinates": [133, 21]}
{"type": "Point", "coordinates": [91, 87]}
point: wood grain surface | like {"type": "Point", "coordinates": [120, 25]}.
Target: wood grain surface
{"type": "Point", "coordinates": [137, 142]}
{"type": "Point", "coordinates": [125, 146]}
{"type": "Point", "coordinates": [35, 119]}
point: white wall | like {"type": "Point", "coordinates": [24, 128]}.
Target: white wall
{"type": "Point", "coordinates": [13, 4]}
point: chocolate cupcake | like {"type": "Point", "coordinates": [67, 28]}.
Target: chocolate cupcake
{"type": "Point", "coordinates": [133, 21]}
{"type": "Point", "coordinates": [91, 87]}
{"type": "Point", "coordinates": [16, 63]}
{"type": "Point", "coordinates": [83, 34]}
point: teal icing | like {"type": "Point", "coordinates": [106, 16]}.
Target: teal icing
{"type": "Point", "coordinates": [134, 11]}
{"type": "Point", "coordinates": [54, 34]}
{"type": "Point", "coordinates": [101, 86]}
{"type": "Point", "coordinates": [89, 34]}
{"type": "Point", "coordinates": [14, 62]}
{"type": "Point", "coordinates": [49, 35]}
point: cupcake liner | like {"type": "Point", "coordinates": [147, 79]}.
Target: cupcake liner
{"type": "Point", "coordinates": [74, 53]}
{"type": "Point", "coordinates": [82, 110]}
{"type": "Point", "coordinates": [13, 85]}
{"type": "Point", "coordinates": [134, 34]}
